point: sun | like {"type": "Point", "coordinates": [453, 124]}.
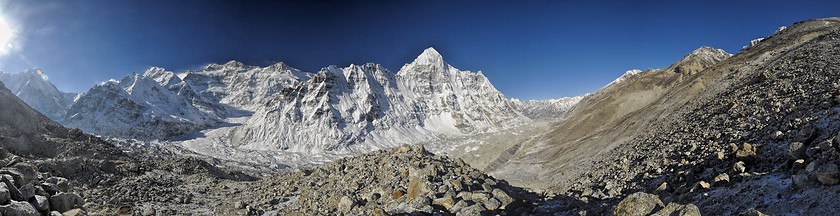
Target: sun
{"type": "Point", "coordinates": [6, 35]}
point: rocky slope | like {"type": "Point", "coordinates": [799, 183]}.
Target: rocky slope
{"type": "Point", "coordinates": [729, 134]}
{"type": "Point", "coordinates": [38, 93]}
{"type": "Point", "coordinates": [386, 182]}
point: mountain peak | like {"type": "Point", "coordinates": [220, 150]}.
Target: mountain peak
{"type": "Point", "coordinates": [429, 56]}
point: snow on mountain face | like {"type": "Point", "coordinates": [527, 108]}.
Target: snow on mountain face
{"type": "Point", "coordinates": [353, 109]}
{"type": "Point", "coordinates": [625, 76]}
{"type": "Point", "coordinates": [156, 104]}
{"type": "Point", "coordinates": [754, 42]}
{"type": "Point", "coordinates": [38, 93]}
{"type": "Point", "coordinates": [363, 107]}
{"type": "Point", "coordinates": [550, 109]}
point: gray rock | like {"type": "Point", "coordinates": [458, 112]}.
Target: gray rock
{"type": "Point", "coordinates": [148, 211]}
{"type": "Point", "coordinates": [22, 173]}
{"type": "Point", "coordinates": [492, 204]}
{"type": "Point", "coordinates": [679, 209]}
{"type": "Point", "coordinates": [828, 174]}
{"type": "Point", "coordinates": [473, 210]}
{"type": "Point", "coordinates": [61, 184]}
{"type": "Point", "coordinates": [345, 204]}
{"type": "Point", "coordinates": [41, 203]}
{"type": "Point", "coordinates": [55, 213]}
{"type": "Point", "coordinates": [74, 212]}
{"type": "Point", "coordinates": [480, 197]}
{"type": "Point", "coordinates": [795, 151]}
{"type": "Point", "coordinates": [27, 191]}
{"type": "Point", "coordinates": [5, 195]}
{"type": "Point", "coordinates": [18, 208]}
{"type": "Point", "coordinates": [637, 204]}
{"type": "Point", "coordinates": [66, 201]}
{"type": "Point", "coordinates": [803, 180]}
{"type": "Point", "coordinates": [503, 197]}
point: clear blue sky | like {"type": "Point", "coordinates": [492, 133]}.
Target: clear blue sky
{"type": "Point", "coordinates": [528, 49]}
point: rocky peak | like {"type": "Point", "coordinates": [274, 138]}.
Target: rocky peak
{"type": "Point", "coordinates": [428, 57]}
{"type": "Point", "coordinates": [699, 60]}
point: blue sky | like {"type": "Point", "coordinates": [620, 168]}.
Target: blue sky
{"type": "Point", "coordinates": [528, 49]}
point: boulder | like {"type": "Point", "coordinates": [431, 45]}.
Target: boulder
{"type": "Point", "coordinates": [679, 209]}
{"type": "Point", "coordinates": [637, 204]}
{"type": "Point", "coordinates": [747, 153]}
{"type": "Point", "coordinates": [795, 151]}
{"type": "Point", "coordinates": [446, 202]}
{"type": "Point", "coordinates": [492, 204]}
{"type": "Point", "coordinates": [345, 204]}
{"type": "Point", "coordinates": [739, 167]}
{"type": "Point", "coordinates": [503, 197]}
{"type": "Point", "coordinates": [61, 184]}
{"type": "Point", "coordinates": [828, 174]}
{"type": "Point", "coordinates": [74, 212]}
{"type": "Point", "coordinates": [5, 195]}
{"type": "Point", "coordinates": [19, 208]}
{"type": "Point", "coordinates": [723, 178]}
{"type": "Point", "coordinates": [27, 191]}
{"type": "Point", "coordinates": [41, 203]}
{"type": "Point", "coordinates": [776, 135]}
{"type": "Point", "coordinates": [473, 210]}
{"type": "Point", "coordinates": [63, 202]}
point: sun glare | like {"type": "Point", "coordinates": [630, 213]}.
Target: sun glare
{"type": "Point", "coordinates": [6, 35]}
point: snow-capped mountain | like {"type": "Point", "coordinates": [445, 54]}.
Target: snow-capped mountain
{"type": "Point", "coordinates": [548, 109]}
{"type": "Point", "coordinates": [38, 93]}
{"type": "Point", "coordinates": [625, 76]}
{"type": "Point", "coordinates": [156, 104]}
{"type": "Point", "coordinates": [355, 108]}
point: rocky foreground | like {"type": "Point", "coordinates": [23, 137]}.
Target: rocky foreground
{"type": "Point", "coordinates": [405, 180]}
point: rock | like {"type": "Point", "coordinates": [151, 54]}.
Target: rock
{"type": "Point", "coordinates": [701, 185]}
{"type": "Point", "coordinates": [446, 202]}
{"type": "Point", "coordinates": [806, 134]}
{"type": "Point", "coordinates": [61, 184]}
{"type": "Point", "coordinates": [65, 201]}
{"type": "Point", "coordinates": [811, 152]}
{"type": "Point", "coordinates": [403, 149]}
{"type": "Point", "coordinates": [723, 178]}
{"type": "Point", "coordinates": [828, 174]}
{"type": "Point", "coordinates": [776, 135]}
{"type": "Point", "coordinates": [74, 212]}
{"type": "Point", "coordinates": [747, 153]}
{"type": "Point", "coordinates": [662, 187]}
{"type": "Point", "coordinates": [239, 205]}
{"type": "Point", "coordinates": [416, 187]}
{"type": "Point", "coordinates": [803, 180]}
{"type": "Point", "coordinates": [5, 195]}
{"type": "Point", "coordinates": [752, 212]}
{"type": "Point", "coordinates": [795, 151]}
{"type": "Point", "coordinates": [473, 210]}
{"type": "Point", "coordinates": [345, 204]}
{"type": "Point", "coordinates": [148, 211]}
{"type": "Point", "coordinates": [720, 155]}
{"type": "Point", "coordinates": [397, 194]}
{"type": "Point", "coordinates": [480, 197]}
{"type": "Point", "coordinates": [798, 164]}
{"type": "Point", "coordinates": [41, 203]}
{"type": "Point", "coordinates": [379, 212]}
{"type": "Point", "coordinates": [503, 197]}
{"type": "Point", "coordinates": [124, 210]}
{"type": "Point", "coordinates": [739, 167]}
{"type": "Point", "coordinates": [19, 208]}
{"type": "Point", "coordinates": [27, 191]}
{"type": "Point", "coordinates": [55, 213]}
{"type": "Point", "coordinates": [458, 206]}
{"type": "Point", "coordinates": [638, 203]}
{"type": "Point", "coordinates": [492, 204]}
{"type": "Point", "coordinates": [678, 209]}
{"type": "Point", "coordinates": [21, 172]}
